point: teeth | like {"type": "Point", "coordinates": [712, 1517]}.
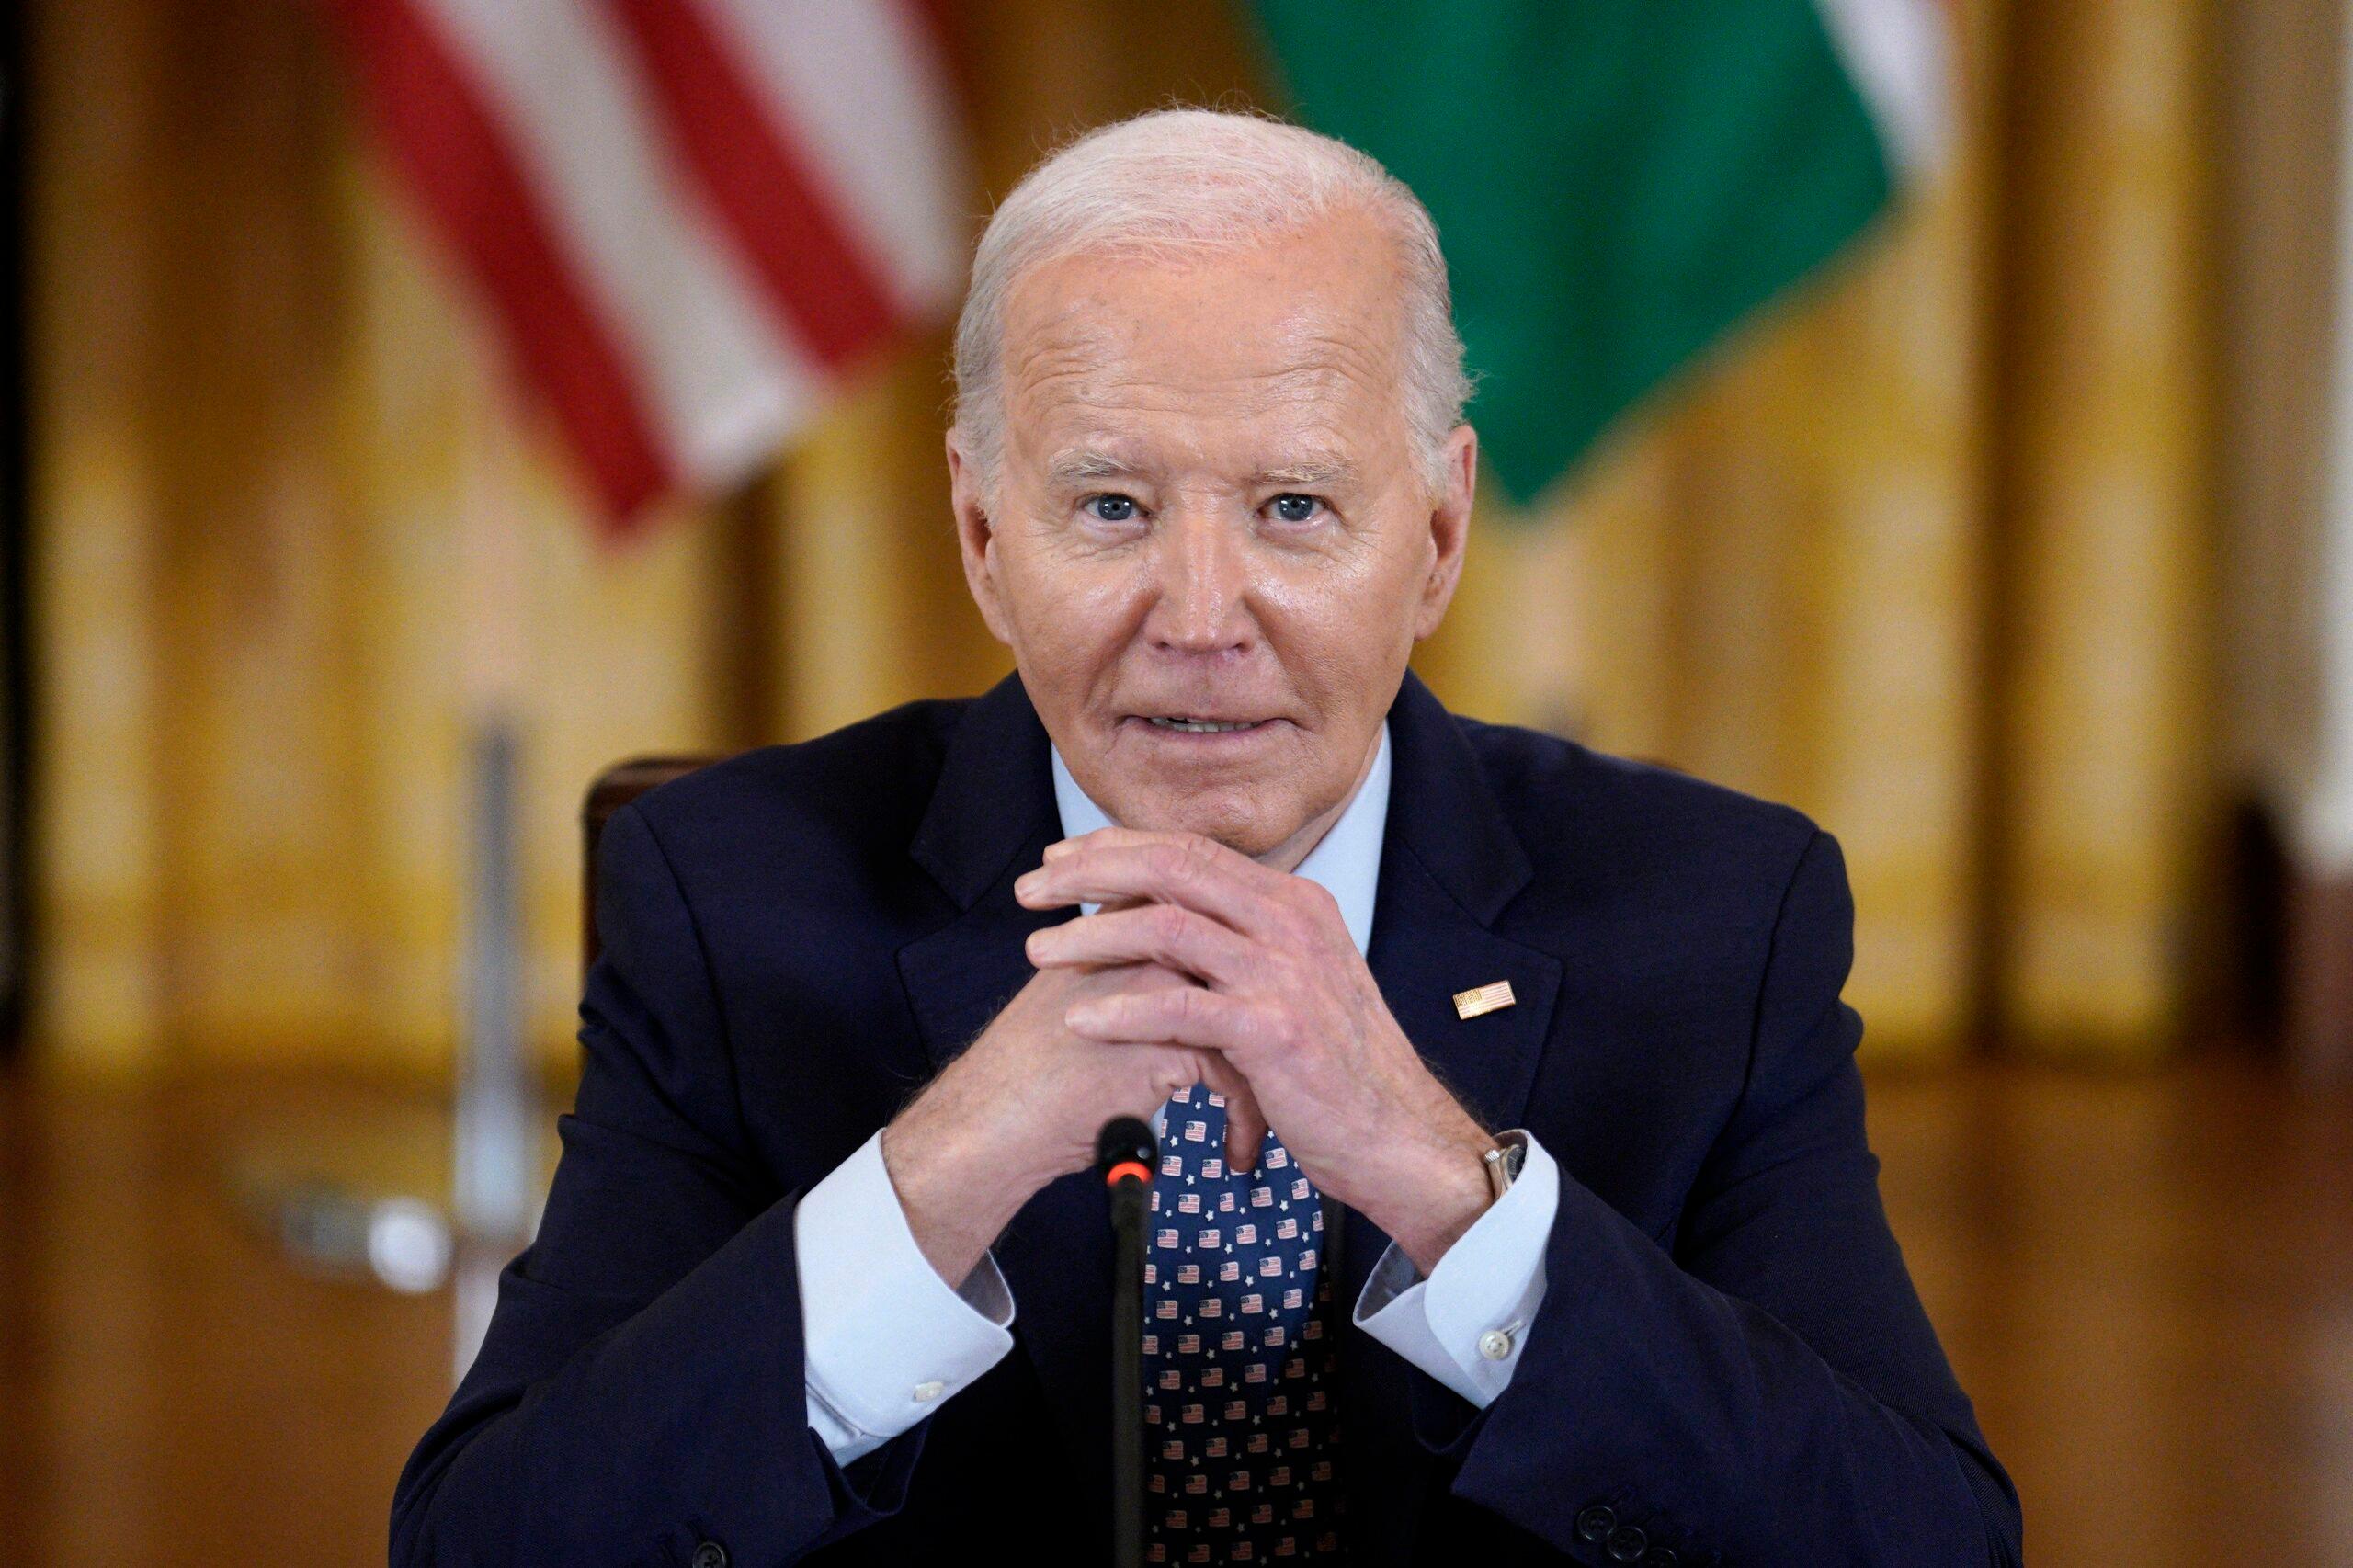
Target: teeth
{"type": "Point", "coordinates": [1205, 726]}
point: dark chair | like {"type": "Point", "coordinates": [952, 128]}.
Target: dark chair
{"type": "Point", "coordinates": [611, 790]}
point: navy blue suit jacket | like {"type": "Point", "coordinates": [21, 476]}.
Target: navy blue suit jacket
{"type": "Point", "coordinates": [1730, 1356]}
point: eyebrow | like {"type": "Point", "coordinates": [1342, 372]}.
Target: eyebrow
{"type": "Point", "coordinates": [1310, 473]}
{"type": "Point", "coordinates": [1079, 464]}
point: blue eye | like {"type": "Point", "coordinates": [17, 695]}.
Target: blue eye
{"type": "Point", "coordinates": [1293, 507]}
{"type": "Point", "coordinates": [1111, 509]}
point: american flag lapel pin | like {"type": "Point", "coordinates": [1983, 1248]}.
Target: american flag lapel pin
{"type": "Point", "coordinates": [1481, 999]}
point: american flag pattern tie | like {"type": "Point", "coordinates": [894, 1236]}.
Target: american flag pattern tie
{"type": "Point", "coordinates": [1238, 1353]}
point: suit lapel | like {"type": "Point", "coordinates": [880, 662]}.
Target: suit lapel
{"type": "Point", "coordinates": [990, 817]}
{"type": "Point", "coordinates": [1424, 948]}
{"type": "Point", "coordinates": [1449, 865]}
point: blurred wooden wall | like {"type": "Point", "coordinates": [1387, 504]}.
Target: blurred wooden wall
{"type": "Point", "coordinates": [1922, 551]}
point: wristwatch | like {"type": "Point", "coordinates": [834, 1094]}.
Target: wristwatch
{"type": "Point", "coordinates": [1504, 1161]}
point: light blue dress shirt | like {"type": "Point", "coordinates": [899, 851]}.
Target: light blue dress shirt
{"type": "Point", "coordinates": [886, 1340]}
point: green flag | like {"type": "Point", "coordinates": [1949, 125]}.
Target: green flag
{"type": "Point", "coordinates": [1616, 182]}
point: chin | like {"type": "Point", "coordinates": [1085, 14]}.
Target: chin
{"type": "Point", "coordinates": [1236, 819]}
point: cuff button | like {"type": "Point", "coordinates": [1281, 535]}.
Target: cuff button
{"type": "Point", "coordinates": [1495, 1344]}
{"type": "Point", "coordinates": [1626, 1543]}
{"type": "Point", "coordinates": [927, 1393]}
{"type": "Point", "coordinates": [1596, 1522]}
{"type": "Point", "coordinates": [711, 1554]}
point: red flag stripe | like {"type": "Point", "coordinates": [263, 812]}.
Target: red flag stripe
{"type": "Point", "coordinates": [456, 156]}
{"type": "Point", "coordinates": [863, 96]}
{"type": "Point", "coordinates": [828, 293]}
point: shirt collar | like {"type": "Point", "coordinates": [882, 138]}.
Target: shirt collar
{"type": "Point", "coordinates": [1345, 862]}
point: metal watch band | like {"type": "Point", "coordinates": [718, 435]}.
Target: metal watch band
{"type": "Point", "coordinates": [1503, 1163]}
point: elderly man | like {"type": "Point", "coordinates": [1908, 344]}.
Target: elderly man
{"type": "Point", "coordinates": [1514, 1203]}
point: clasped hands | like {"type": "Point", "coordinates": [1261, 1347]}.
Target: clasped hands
{"type": "Point", "coordinates": [1201, 964]}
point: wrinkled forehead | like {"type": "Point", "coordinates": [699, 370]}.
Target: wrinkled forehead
{"type": "Point", "coordinates": [1302, 334]}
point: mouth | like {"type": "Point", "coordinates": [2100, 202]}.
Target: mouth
{"type": "Point", "coordinates": [1190, 726]}
{"type": "Point", "coordinates": [1209, 732]}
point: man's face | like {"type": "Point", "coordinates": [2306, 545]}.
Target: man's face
{"type": "Point", "coordinates": [1210, 511]}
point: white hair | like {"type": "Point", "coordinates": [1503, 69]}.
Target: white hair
{"type": "Point", "coordinates": [1180, 181]}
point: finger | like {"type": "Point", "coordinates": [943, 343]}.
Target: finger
{"type": "Point", "coordinates": [1172, 869]}
{"type": "Point", "coordinates": [1113, 836]}
{"type": "Point", "coordinates": [1104, 838]}
{"type": "Point", "coordinates": [1165, 934]}
{"type": "Point", "coordinates": [1178, 1015]}
{"type": "Point", "coordinates": [1245, 1124]}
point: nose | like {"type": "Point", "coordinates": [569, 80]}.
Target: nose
{"type": "Point", "coordinates": [1202, 604]}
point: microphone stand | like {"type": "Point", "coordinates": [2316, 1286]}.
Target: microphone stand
{"type": "Point", "coordinates": [1127, 1154]}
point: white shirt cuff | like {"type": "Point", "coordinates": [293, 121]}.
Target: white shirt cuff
{"type": "Point", "coordinates": [886, 1340]}
{"type": "Point", "coordinates": [1466, 1324]}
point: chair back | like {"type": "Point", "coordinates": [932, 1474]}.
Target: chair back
{"type": "Point", "coordinates": [611, 790]}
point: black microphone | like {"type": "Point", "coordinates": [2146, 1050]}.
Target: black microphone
{"type": "Point", "coordinates": [1127, 1153]}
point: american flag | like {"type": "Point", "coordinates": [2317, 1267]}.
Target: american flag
{"type": "Point", "coordinates": [687, 217]}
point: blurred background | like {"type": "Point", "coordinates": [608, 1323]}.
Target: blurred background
{"type": "Point", "coordinates": [1938, 416]}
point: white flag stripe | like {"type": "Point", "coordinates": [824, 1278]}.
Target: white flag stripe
{"type": "Point", "coordinates": [720, 385]}
{"type": "Point", "coordinates": [1899, 55]}
{"type": "Point", "coordinates": [859, 88]}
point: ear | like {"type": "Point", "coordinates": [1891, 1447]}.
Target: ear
{"type": "Point", "coordinates": [975, 535]}
{"type": "Point", "coordinates": [1449, 527]}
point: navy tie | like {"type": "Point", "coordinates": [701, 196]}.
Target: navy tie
{"type": "Point", "coordinates": [1238, 1353]}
